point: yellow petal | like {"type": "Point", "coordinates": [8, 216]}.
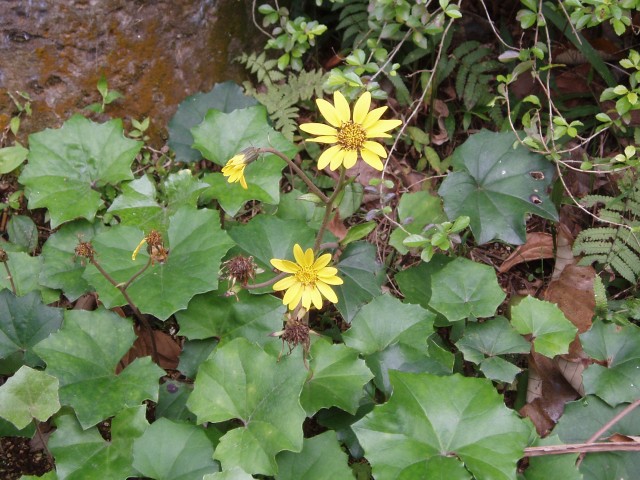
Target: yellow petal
{"type": "Point", "coordinates": [327, 272]}
{"type": "Point", "coordinates": [243, 182]}
{"type": "Point", "coordinates": [306, 297]}
{"type": "Point", "coordinates": [292, 293]}
{"type": "Point", "coordinates": [342, 106]}
{"type": "Point", "coordinates": [322, 261]}
{"type": "Point", "coordinates": [329, 112]}
{"type": "Point", "coordinates": [373, 116]}
{"type": "Point", "coordinates": [324, 139]}
{"type": "Point", "coordinates": [372, 159]}
{"type": "Point", "coordinates": [318, 129]}
{"type": "Point", "coordinates": [381, 126]}
{"type": "Point", "coordinates": [361, 108]}
{"type": "Point", "coordinates": [295, 300]}
{"type": "Point", "coordinates": [328, 155]}
{"type": "Point", "coordinates": [331, 280]}
{"type": "Point", "coordinates": [327, 291]}
{"type": "Point", "coordinates": [285, 266]}
{"type": "Point", "coordinates": [285, 283]}
{"type": "Point", "coordinates": [337, 160]}
{"type": "Point", "coordinates": [308, 257]}
{"type": "Point", "coordinates": [298, 254]}
{"type": "Point", "coordinates": [376, 148]}
{"type": "Point", "coordinates": [350, 158]}
{"type": "Point", "coordinates": [316, 298]}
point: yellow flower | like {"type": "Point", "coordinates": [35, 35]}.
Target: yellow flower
{"type": "Point", "coordinates": [350, 135]}
{"type": "Point", "coordinates": [310, 280]}
{"type": "Point", "coordinates": [234, 169]}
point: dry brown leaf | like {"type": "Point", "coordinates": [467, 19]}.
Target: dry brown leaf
{"type": "Point", "coordinates": [336, 226]}
{"type": "Point", "coordinates": [441, 111]}
{"type": "Point", "coordinates": [167, 347]}
{"type": "Point", "coordinates": [619, 437]}
{"type": "Point", "coordinates": [564, 254]}
{"type": "Point", "coordinates": [538, 245]}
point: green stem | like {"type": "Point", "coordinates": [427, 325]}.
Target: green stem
{"type": "Point", "coordinates": [303, 176]}
{"type": "Point", "coordinates": [10, 277]}
{"type": "Point", "coordinates": [271, 281]}
{"type": "Point", "coordinates": [329, 209]}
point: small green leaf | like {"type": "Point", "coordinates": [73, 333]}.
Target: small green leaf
{"type": "Point", "coordinates": [240, 381]}
{"type": "Point", "coordinates": [173, 451]}
{"type": "Point", "coordinates": [430, 417]}
{"type": "Point", "coordinates": [27, 395]}
{"type": "Point", "coordinates": [491, 338]}
{"type": "Point", "coordinates": [415, 282]}
{"type": "Point", "coordinates": [464, 288]}
{"type": "Point", "coordinates": [12, 157]}
{"type": "Point", "coordinates": [552, 332]}
{"type": "Point", "coordinates": [23, 231]}
{"type": "Point", "coordinates": [67, 166]}
{"type": "Point", "coordinates": [415, 212]}
{"type": "Point", "coordinates": [323, 449]}
{"type": "Point", "coordinates": [83, 355]}
{"type": "Point", "coordinates": [358, 232]}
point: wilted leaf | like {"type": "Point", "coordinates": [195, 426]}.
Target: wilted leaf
{"type": "Point", "coordinates": [538, 246]}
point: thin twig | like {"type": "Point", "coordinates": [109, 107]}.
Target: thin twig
{"type": "Point", "coordinates": [10, 277]}
{"type": "Point", "coordinates": [271, 281]}
{"type": "Point", "coordinates": [329, 209]}
{"type": "Point", "coordinates": [390, 56]}
{"type": "Point", "coordinates": [582, 448]}
{"type": "Point", "coordinates": [255, 22]}
{"type": "Point", "coordinates": [495, 32]}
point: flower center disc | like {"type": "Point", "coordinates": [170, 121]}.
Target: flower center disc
{"type": "Point", "coordinates": [306, 276]}
{"type": "Point", "coordinates": [351, 136]}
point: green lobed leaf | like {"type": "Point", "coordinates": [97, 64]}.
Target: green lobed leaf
{"type": "Point", "coordinates": [66, 166]}
{"type": "Point", "coordinates": [499, 370]}
{"type": "Point", "coordinates": [193, 353]}
{"type": "Point", "coordinates": [363, 276]}
{"type": "Point", "coordinates": [415, 282]}
{"type": "Point", "coordinates": [25, 271]}
{"type": "Point", "coordinates": [415, 212]}
{"type": "Point", "coordinates": [464, 288]}
{"type": "Point", "coordinates": [552, 332]}
{"type": "Point", "coordinates": [219, 143]}
{"type": "Point", "coordinates": [292, 208]}
{"type": "Point", "coordinates": [253, 317]}
{"type": "Point", "coordinates": [80, 453]}
{"type": "Point", "coordinates": [27, 395]}
{"type": "Point", "coordinates": [338, 376]}
{"type": "Point", "coordinates": [25, 322]}
{"type": "Point", "coordinates": [430, 417]}
{"type": "Point", "coordinates": [225, 97]}
{"type": "Point", "coordinates": [496, 186]}
{"type": "Point", "coordinates": [83, 355]}
{"type": "Point", "coordinates": [240, 381]}
{"type": "Point", "coordinates": [196, 245]}
{"type": "Point", "coordinates": [617, 381]}
{"type": "Point", "coordinates": [582, 418]}
{"type": "Point", "coordinates": [61, 268]}
{"type": "Point", "coordinates": [23, 231]}
{"type": "Point", "coordinates": [321, 458]}
{"type": "Point", "coordinates": [172, 402]}
{"type": "Point", "coordinates": [170, 450]}
{"type": "Point", "coordinates": [231, 474]}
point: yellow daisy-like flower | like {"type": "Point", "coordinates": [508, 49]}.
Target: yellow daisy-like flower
{"type": "Point", "coordinates": [309, 281]}
{"type": "Point", "coordinates": [350, 135]}
{"type": "Point", "coordinates": [234, 169]}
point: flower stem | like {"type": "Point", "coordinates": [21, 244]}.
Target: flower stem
{"type": "Point", "coordinates": [303, 176]}
{"type": "Point", "coordinates": [10, 277]}
{"type": "Point", "coordinates": [266, 283]}
{"type": "Point", "coordinates": [329, 209]}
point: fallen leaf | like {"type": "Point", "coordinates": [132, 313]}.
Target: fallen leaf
{"type": "Point", "coordinates": [564, 254]}
{"type": "Point", "coordinates": [538, 245]}
{"type": "Point", "coordinates": [336, 226]}
{"type": "Point", "coordinates": [167, 347]}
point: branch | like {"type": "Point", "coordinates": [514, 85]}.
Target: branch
{"type": "Point", "coordinates": [582, 448]}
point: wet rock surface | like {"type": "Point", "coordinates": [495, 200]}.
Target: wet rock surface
{"type": "Point", "coordinates": [154, 52]}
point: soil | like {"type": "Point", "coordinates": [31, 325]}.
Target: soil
{"type": "Point", "coordinates": [17, 458]}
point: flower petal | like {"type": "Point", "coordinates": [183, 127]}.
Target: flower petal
{"type": "Point", "coordinates": [337, 160]}
{"type": "Point", "coordinates": [350, 158]}
{"type": "Point", "coordinates": [243, 182]}
{"type": "Point", "coordinates": [295, 300]}
{"type": "Point", "coordinates": [298, 254]}
{"type": "Point", "coordinates": [342, 106]}
{"type": "Point", "coordinates": [327, 291]}
{"type": "Point", "coordinates": [329, 155]}
{"type": "Point", "coordinates": [331, 280]}
{"type": "Point", "coordinates": [285, 283]}
{"type": "Point", "coordinates": [372, 159]}
{"type": "Point", "coordinates": [306, 297]}
{"type": "Point", "coordinates": [327, 272]}
{"type": "Point", "coordinates": [285, 266]}
{"type": "Point", "coordinates": [316, 298]}
{"type": "Point", "coordinates": [376, 148]}
{"type": "Point", "coordinates": [318, 129]}
{"type": "Point", "coordinates": [321, 262]}
{"type": "Point", "coordinates": [308, 257]}
{"type": "Point", "coordinates": [328, 112]}
{"type": "Point", "coordinates": [324, 139]}
{"type": "Point", "coordinates": [382, 126]}
{"type": "Point", "coordinates": [361, 108]}
{"type": "Point", "coordinates": [292, 293]}
{"type": "Point", "coordinates": [373, 116]}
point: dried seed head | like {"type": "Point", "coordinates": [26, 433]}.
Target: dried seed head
{"type": "Point", "coordinates": [3, 256]}
{"type": "Point", "coordinates": [239, 269]}
{"type": "Point", "coordinates": [85, 249]}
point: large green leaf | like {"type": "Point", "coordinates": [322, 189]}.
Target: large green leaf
{"type": "Point", "coordinates": [68, 164]}
{"type": "Point", "coordinates": [496, 185]}
{"type": "Point", "coordinates": [240, 381]}
{"type": "Point", "coordinates": [583, 418]}
{"type": "Point", "coordinates": [435, 423]}
{"type": "Point", "coordinates": [61, 268]}
{"type": "Point", "coordinates": [415, 282]}
{"type": "Point", "coordinates": [483, 342]}
{"type": "Point", "coordinates": [172, 401]}
{"type": "Point", "coordinates": [81, 453]}
{"type": "Point", "coordinates": [24, 322]}
{"type": "Point", "coordinates": [173, 451]}
{"type": "Point", "coordinates": [225, 97]}
{"type": "Point", "coordinates": [338, 376]}
{"type": "Point", "coordinates": [552, 332]}
{"type": "Point", "coordinates": [618, 380]}
{"type": "Point", "coordinates": [415, 212]}
{"type": "Point", "coordinates": [363, 276]}
{"type": "Point", "coordinates": [138, 205]}
{"type": "Point", "coordinates": [196, 244]}
{"type": "Point", "coordinates": [27, 395]}
{"type": "Point", "coordinates": [321, 458]}
{"type": "Point", "coordinates": [465, 289]}
{"type": "Point", "coordinates": [252, 317]}
{"type": "Point", "coordinates": [83, 355]}
{"type": "Point", "coordinates": [222, 135]}
{"type": "Point", "coordinates": [231, 474]}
